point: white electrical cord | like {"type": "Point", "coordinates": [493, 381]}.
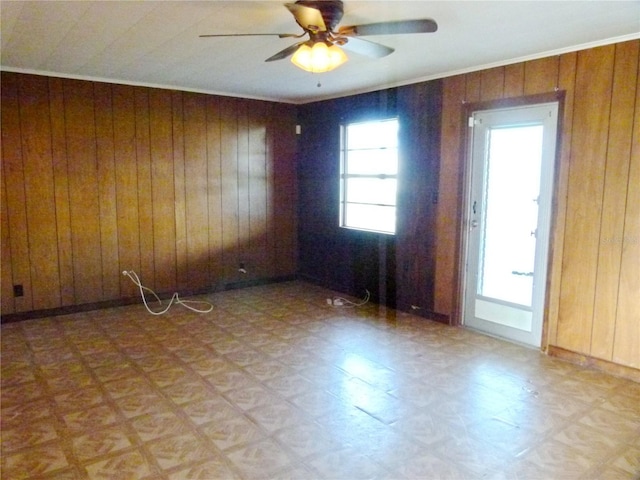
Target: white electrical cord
{"type": "Point", "coordinates": [343, 302]}
{"type": "Point", "coordinates": [174, 299]}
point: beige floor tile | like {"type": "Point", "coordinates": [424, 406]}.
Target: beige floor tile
{"type": "Point", "coordinates": [233, 431]}
{"type": "Point", "coordinates": [628, 461]}
{"type": "Point", "coordinates": [34, 461]}
{"type": "Point", "coordinates": [101, 442]}
{"type": "Point", "coordinates": [216, 468]}
{"type": "Point", "coordinates": [250, 397]}
{"type": "Point", "coordinates": [261, 459]}
{"type": "Point", "coordinates": [151, 426]}
{"type": "Point", "coordinates": [214, 408]}
{"type": "Point", "coordinates": [21, 414]}
{"type": "Point", "coordinates": [306, 439]}
{"type": "Point", "coordinates": [560, 459]}
{"type": "Point", "coordinates": [146, 403]}
{"type": "Point", "coordinates": [188, 390]}
{"type": "Point", "coordinates": [78, 399]}
{"type": "Point", "coordinates": [587, 441]}
{"type": "Point", "coordinates": [29, 435]}
{"type": "Point", "coordinates": [347, 463]}
{"type": "Point", "coordinates": [92, 418]}
{"type": "Point", "coordinates": [611, 424]}
{"type": "Point", "coordinates": [433, 467]}
{"type": "Point", "coordinates": [131, 465]}
{"type": "Point", "coordinates": [276, 384]}
{"type": "Point", "coordinates": [178, 450]}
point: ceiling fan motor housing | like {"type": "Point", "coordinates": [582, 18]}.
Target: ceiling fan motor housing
{"type": "Point", "coordinates": [331, 11]}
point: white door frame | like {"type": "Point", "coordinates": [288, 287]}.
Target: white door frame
{"type": "Point", "coordinates": [557, 98]}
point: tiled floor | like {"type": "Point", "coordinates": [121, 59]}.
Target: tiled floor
{"type": "Point", "coordinates": [275, 383]}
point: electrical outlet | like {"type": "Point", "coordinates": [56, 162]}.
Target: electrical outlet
{"type": "Point", "coordinates": [18, 291]}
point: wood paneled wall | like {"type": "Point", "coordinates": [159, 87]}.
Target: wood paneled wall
{"type": "Point", "coordinates": [348, 261]}
{"type": "Point", "coordinates": [98, 178]}
{"type": "Point", "coordinates": [180, 187]}
{"type": "Point", "coordinates": [594, 284]}
{"type": "Point", "coordinates": [397, 270]}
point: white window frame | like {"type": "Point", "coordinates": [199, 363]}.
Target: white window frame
{"type": "Point", "coordinates": [345, 176]}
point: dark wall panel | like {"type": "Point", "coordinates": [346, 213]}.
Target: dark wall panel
{"type": "Point", "coordinates": [397, 270]}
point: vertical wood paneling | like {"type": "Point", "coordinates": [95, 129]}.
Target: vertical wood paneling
{"type": "Point", "coordinates": [107, 191]}
{"type": "Point", "coordinates": [541, 76]}
{"type": "Point", "coordinates": [284, 190]}
{"type": "Point", "coordinates": [244, 186]}
{"type": "Point", "coordinates": [258, 191]}
{"type": "Point", "coordinates": [271, 152]}
{"type": "Point", "coordinates": [514, 80]}
{"type": "Point", "coordinates": [492, 84]}
{"type": "Point", "coordinates": [163, 196]}
{"type": "Point", "coordinates": [626, 348]}
{"type": "Point", "coordinates": [83, 185]}
{"type": "Point", "coordinates": [39, 192]}
{"type": "Point", "coordinates": [416, 215]}
{"type": "Point", "coordinates": [584, 207]}
{"type": "Point", "coordinates": [612, 225]}
{"type": "Point", "coordinates": [100, 178]}
{"type": "Point", "coordinates": [449, 194]}
{"type": "Point", "coordinates": [593, 288]}
{"type": "Point", "coordinates": [61, 185]}
{"type": "Point", "coordinates": [397, 270]}
{"type": "Point", "coordinates": [15, 191]}
{"type": "Point", "coordinates": [145, 194]}
{"type": "Point", "coordinates": [590, 191]}
{"type": "Point", "coordinates": [8, 303]}
{"type": "Point", "coordinates": [182, 271]}
{"type": "Point", "coordinates": [566, 81]}
{"type": "Point", "coordinates": [473, 87]}
{"type": "Point", "coordinates": [215, 190]}
{"type": "Point", "coordinates": [229, 175]}
{"type": "Point", "coordinates": [197, 221]}
{"type": "Point", "coordinates": [124, 128]}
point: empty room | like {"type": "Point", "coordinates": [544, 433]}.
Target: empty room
{"type": "Point", "coordinates": [320, 239]}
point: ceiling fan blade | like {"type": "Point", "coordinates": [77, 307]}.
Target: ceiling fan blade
{"type": "Point", "coordinates": [307, 17]}
{"type": "Point", "coordinates": [284, 53]}
{"type": "Point", "coordinates": [366, 47]}
{"type": "Point", "coordinates": [425, 25]}
{"type": "Point", "coordinates": [281, 35]}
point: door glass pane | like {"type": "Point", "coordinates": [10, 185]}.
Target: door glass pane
{"type": "Point", "coordinates": [510, 214]}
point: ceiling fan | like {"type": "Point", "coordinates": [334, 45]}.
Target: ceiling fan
{"type": "Point", "coordinates": [323, 52]}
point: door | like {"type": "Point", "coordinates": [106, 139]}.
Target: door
{"type": "Point", "coordinates": [508, 220]}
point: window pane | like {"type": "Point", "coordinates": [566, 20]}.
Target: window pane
{"type": "Point", "coordinates": [372, 134]}
{"type": "Point", "coordinates": [367, 162]}
{"type": "Point", "coordinates": [371, 190]}
{"type": "Point", "coordinates": [370, 217]}
{"type": "Point", "coordinates": [369, 171]}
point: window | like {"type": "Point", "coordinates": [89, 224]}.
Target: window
{"type": "Point", "coordinates": [369, 175]}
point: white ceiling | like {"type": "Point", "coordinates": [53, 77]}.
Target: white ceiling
{"type": "Point", "coordinates": [156, 43]}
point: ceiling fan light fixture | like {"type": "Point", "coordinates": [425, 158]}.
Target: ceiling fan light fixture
{"type": "Point", "coordinates": [320, 57]}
